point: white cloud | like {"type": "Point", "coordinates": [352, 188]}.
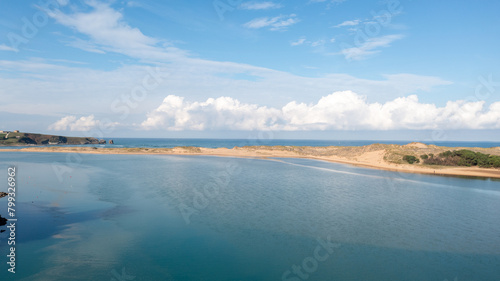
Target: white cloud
{"type": "Point", "coordinates": [105, 25]}
{"type": "Point", "coordinates": [344, 110]}
{"type": "Point", "coordinates": [221, 113]}
{"type": "Point", "coordinates": [277, 23]}
{"type": "Point", "coordinates": [331, 1]}
{"type": "Point", "coordinates": [298, 42]}
{"type": "Point", "coordinates": [369, 47]}
{"type": "Point", "coordinates": [4, 47]}
{"type": "Point", "coordinates": [85, 45]}
{"type": "Point", "coordinates": [302, 41]}
{"type": "Point", "coordinates": [84, 123]}
{"type": "Point", "coordinates": [107, 31]}
{"type": "Point", "coordinates": [348, 23]}
{"type": "Point", "coordinates": [383, 18]}
{"type": "Point", "coordinates": [63, 2]}
{"type": "Point", "coordinates": [259, 6]}
{"type": "Point", "coordinates": [318, 43]}
{"type": "Point", "coordinates": [94, 91]}
{"type": "Point", "coordinates": [134, 4]}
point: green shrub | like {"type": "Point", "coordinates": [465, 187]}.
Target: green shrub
{"type": "Point", "coordinates": [411, 159]}
{"type": "Point", "coordinates": [464, 157]}
{"type": "Point", "coordinates": [494, 161]}
{"type": "Point", "coordinates": [445, 154]}
{"type": "Point", "coordinates": [424, 156]}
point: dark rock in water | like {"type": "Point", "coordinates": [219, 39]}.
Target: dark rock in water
{"type": "Point", "coordinates": [102, 141]}
{"type": "Point", "coordinates": [111, 142]}
{"type": "Point", "coordinates": [3, 221]}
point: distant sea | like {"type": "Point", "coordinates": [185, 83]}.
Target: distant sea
{"type": "Point", "coordinates": [230, 143]}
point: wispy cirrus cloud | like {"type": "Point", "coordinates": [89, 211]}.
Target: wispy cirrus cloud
{"type": "Point", "coordinates": [259, 5]}
{"type": "Point", "coordinates": [382, 18]}
{"type": "Point", "coordinates": [278, 23]}
{"type": "Point", "coordinates": [330, 1]}
{"type": "Point", "coordinates": [107, 31]}
{"type": "Point", "coordinates": [85, 45]}
{"type": "Point", "coordinates": [298, 42]}
{"type": "Point", "coordinates": [4, 47]}
{"type": "Point", "coordinates": [369, 47]}
{"type": "Point", "coordinates": [348, 23]}
{"type": "Point", "coordinates": [316, 43]}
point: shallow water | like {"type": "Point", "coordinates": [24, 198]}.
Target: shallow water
{"type": "Point", "coordinates": [105, 217]}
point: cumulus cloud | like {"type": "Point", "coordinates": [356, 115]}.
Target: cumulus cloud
{"type": "Point", "coordinates": [344, 110]}
{"type": "Point", "coordinates": [221, 113]}
{"type": "Point", "coordinates": [84, 123]}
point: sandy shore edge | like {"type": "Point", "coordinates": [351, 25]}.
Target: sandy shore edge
{"type": "Point", "coordinates": [367, 157]}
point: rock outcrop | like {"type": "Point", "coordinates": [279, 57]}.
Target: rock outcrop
{"type": "Point", "coordinates": [13, 139]}
{"type": "Point", "coordinates": [3, 221]}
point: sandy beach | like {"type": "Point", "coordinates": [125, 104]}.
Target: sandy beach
{"type": "Point", "coordinates": [376, 156]}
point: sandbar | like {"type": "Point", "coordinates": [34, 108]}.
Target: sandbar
{"type": "Point", "coordinates": [375, 156]}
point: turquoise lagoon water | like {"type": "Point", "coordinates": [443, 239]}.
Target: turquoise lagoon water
{"type": "Point", "coordinates": [139, 217]}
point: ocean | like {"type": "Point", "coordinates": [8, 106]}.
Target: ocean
{"type": "Point", "coordinates": [264, 139]}
{"type": "Point", "coordinates": [166, 217]}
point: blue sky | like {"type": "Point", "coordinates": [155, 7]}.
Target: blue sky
{"type": "Point", "coordinates": [302, 69]}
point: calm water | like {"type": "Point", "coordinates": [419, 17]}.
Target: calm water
{"type": "Point", "coordinates": [114, 217]}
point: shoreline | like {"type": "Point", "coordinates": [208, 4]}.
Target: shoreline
{"type": "Point", "coordinates": [371, 156]}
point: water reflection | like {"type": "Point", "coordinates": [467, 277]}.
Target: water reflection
{"type": "Point", "coordinates": [119, 214]}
